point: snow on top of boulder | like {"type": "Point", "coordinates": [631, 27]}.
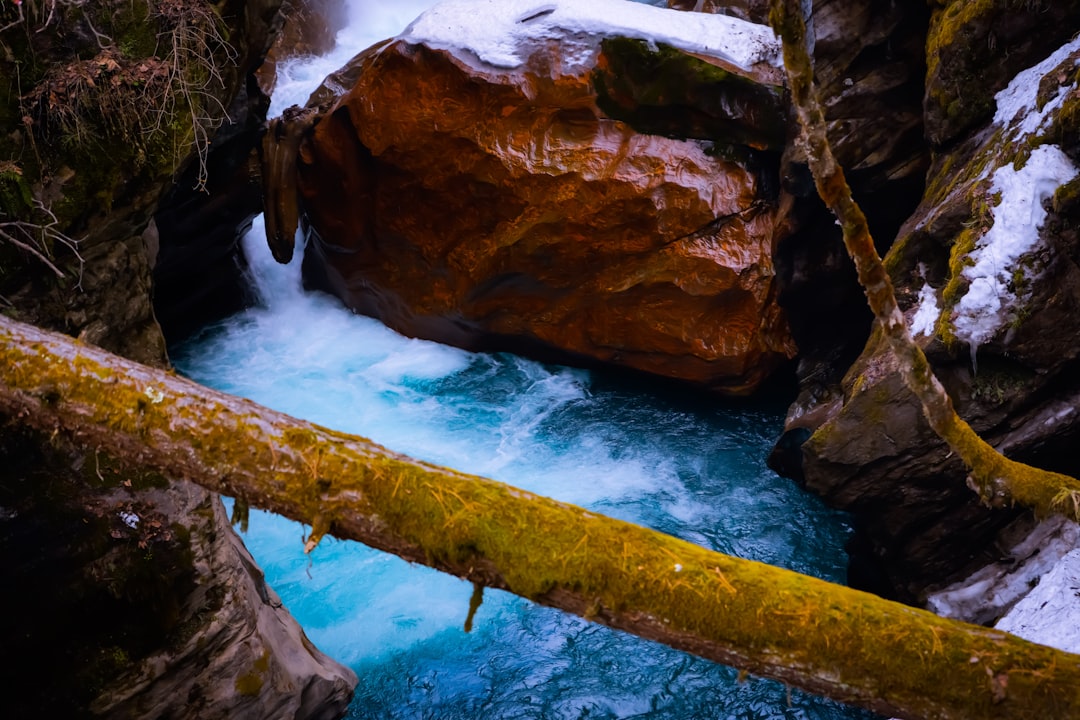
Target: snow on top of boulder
{"type": "Point", "coordinates": [1021, 95]}
{"type": "Point", "coordinates": [991, 299]}
{"type": "Point", "coordinates": [502, 33]}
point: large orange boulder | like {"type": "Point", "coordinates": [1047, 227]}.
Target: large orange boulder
{"type": "Point", "coordinates": [489, 202]}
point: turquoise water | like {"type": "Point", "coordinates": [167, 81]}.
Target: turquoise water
{"type": "Point", "coordinates": [677, 463]}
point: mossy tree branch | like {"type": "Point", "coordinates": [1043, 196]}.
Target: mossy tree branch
{"type": "Point", "coordinates": [825, 638]}
{"type": "Point", "coordinates": [997, 479]}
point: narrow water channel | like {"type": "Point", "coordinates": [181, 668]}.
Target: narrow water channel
{"type": "Point", "coordinates": [683, 465]}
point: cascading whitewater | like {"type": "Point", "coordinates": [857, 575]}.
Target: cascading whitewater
{"type": "Point", "coordinates": [690, 469]}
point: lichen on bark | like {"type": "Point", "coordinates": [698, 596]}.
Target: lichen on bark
{"type": "Point", "coordinates": [825, 638]}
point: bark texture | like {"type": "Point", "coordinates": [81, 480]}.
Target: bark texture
{"type": "Point", "coordinates": [825, 638]}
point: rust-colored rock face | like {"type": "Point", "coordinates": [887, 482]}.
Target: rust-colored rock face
{"type": "Point", "coordinates": [501, 209]}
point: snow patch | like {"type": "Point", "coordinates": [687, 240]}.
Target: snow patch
{"type": "Point", "coordinates": [130, 519]}
{"type": "Point", "coordinates": [502, 33]}
{"type": "Point", "coordinates": [1050, 614]}
{"type": "Point", "coordinates": [993, 590]}
{"type": "Point", "coordinates": [1016, 104]}
{"type": "Point", "coordinates": [991, 302]}
{"type": "Point", "coordinates": [925, 318]}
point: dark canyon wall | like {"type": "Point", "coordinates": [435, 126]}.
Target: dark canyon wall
{"type": "Point", "coordinates": [126, 595]}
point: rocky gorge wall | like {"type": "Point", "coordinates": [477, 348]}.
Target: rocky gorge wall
{"type": "Point", "coordinates": [448, 224]}
{"type": "Point", "coordinates": [445, 197]}
{"type": "Point", "coordinates": [125, 595]}
{"type": "Point", "coordinates": [985, 267]}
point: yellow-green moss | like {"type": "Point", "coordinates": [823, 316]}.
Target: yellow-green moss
{"type": "Point", "coordinates": [765, 618]}
{"type": "Point", "coordinates": [960, 46]}
{"type": "Point", "coordinates": [1067, 197]}
{"type": "Point", "coordinates": [999, 381]}
{"type": "Point", "coordinates": [659, 89]}
{"type": "Point", "coordinates": [251, 683]}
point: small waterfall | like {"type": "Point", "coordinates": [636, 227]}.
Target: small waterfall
{"type": "Point", "coordinates": [685, 467]}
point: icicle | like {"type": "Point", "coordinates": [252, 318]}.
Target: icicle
{"type": "Point", "coordinates": [240, 512]}
{"type": "Point", "coordinates": [474, 605]}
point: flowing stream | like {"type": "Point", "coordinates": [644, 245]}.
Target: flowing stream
{"type": "Point", "coordinates": [677, 463]}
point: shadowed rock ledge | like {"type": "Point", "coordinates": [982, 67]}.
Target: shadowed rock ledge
{"type": "Point", "coordinates": [617, 204]}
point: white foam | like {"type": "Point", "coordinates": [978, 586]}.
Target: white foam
{"type": "Point", "coordinates": [368, 22]}
{"type": "Point", "coordinates": [503, 33]}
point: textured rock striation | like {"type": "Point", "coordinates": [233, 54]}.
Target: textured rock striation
{"type": "Point", "coordinates": [127, 596]}
{"type": "Point", "coordinates": [247, 656]}
{"type": "Point", "coordinates": [132, 597]}
{"type": "Point", "coordinates": [987, 270]}
{"type": "Point", "coordinates": [581, 195]}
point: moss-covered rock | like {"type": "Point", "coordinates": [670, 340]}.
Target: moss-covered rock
{"type": "Point", "coordinates": [1014, 380]}
{"type": "Point", "coordinates": [664, 91]}
{"type": "Point", "coordinates": [108, 101]}
{"type": "Point", "coordinates": [975, 47]}
{"type": "Point", "coordinates": [869, 60]}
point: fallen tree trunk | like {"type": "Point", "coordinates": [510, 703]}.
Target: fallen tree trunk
{"type": "Point", "coordinates": [998, 480]}
{"type": "Point", "coordinates": [827, 639]}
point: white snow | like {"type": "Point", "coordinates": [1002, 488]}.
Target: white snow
{"type": "Point", "coordinates": [503, 33]}
{"type": "Point", "coordinates": [130, 519]}
{"type": "Point", "coordinates": [1021, 95]}
{"type": "Point", "coordinates": [1050, 614]}
{"type": "Point", "coordinates": [926, 316]}
{"type": "Point", "coordinates": [1018, 216]}
{"type": "Point", "coordinates": [994, 589]}
{"type": "Point", "coordinates": [1018, 195]}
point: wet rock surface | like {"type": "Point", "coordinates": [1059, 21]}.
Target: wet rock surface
{"type": "Point", "coordinates": [986, 269]}
{"type": "Point", "coordinates": [132, 597]}
{"type": "Point", "coordinates": [504, 209]}
{"type": "Point", "coordinates": [309, 28]}
{"type": "Point", "coordinates": [975, 48]}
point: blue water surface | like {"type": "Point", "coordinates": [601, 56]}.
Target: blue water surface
{"type": "Point", "coordinates": [688, 466]}
{"type": "Point", "coordinates": [684, 465]}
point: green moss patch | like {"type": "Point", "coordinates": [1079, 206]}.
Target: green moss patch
{"type": "Point", "coordinates": [664, 91]}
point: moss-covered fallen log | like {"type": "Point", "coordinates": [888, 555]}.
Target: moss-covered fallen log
{"type": "Point", "coordinates": [998, 480]}
{"type": "Point", "coordinates": [821, 637]}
